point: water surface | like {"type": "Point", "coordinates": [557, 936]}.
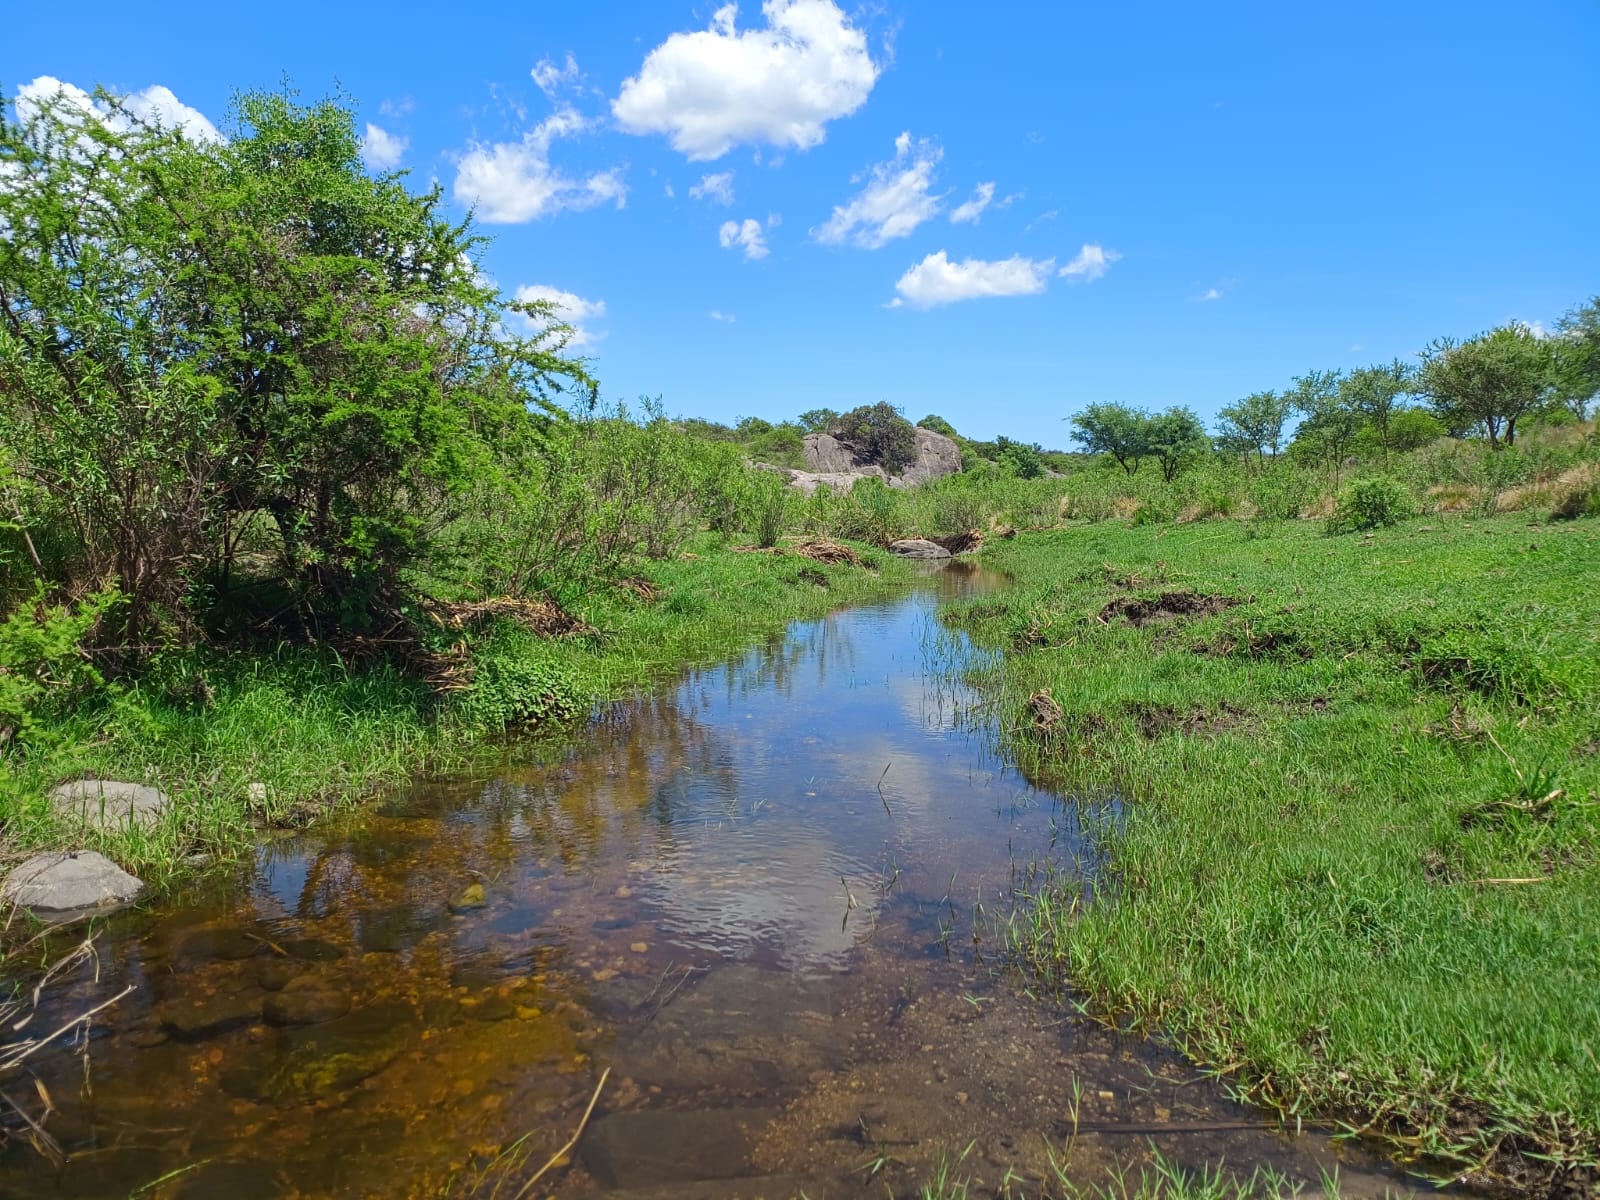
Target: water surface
{"type": "Point", "coordinates": [762, 897]}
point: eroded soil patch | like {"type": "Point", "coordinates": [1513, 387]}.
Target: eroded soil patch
{"type": "Point", "coordinates": [1168, 606]}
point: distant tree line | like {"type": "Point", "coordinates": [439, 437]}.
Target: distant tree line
{"type": "Point", "coordinates": [1486, 386]}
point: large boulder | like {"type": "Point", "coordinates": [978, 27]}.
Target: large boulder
{"type": "Point", "coordinates": [830, 461]}
{"type": "Point", "coordinates": [108, 804]}
{"type": "Point", "coordinates": [67, 880]}
{"type": "Point", "coordinates": [918, 548]}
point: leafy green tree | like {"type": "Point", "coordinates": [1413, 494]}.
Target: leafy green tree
{"type": "Point", "coordinates": [1328, 425]}
{"type": "Point", "coordinates": [1578, 357]}
{"type": "Point", "coordinates": [1254, 425]}
{"type": "Point", "coordinates": [1374, 393]}
{"type": "Point", "coordinates": [1113, 429]}
{"type": "Point", "coordinates": [1023, 459]}
{"type": "Point", "coordinates": [817, 420]}
{"type": "Point", "coordinates": [1175, 438]}
{"type": "Point", "coordinates": [938, 425]}
{"type": "Point", "coordinates": [1490, 382]}
{"type": "Point", "coordinates": [879, 434]}
{"type": "Point", "coordinates": [200, 342]}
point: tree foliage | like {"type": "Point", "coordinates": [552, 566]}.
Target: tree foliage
{"type": "Point", "coordinates": [1578, 357]}
{"type": "Point", "coordinates": [204, 346]}
{"type": "Point", "coordinates": [1113, 429]}
{"type": "Point", "coordinates": [879, 434]}
{"type": "Point", "coordinates": [1490, 382]}
{"type": "Point", "coordinates": [1254, 425]}
{"type": "Point", "coordinates": [1374, 393]}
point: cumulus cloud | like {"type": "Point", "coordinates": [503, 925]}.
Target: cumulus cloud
{"type": "Point", "coordinates": [567, 308]}
{"type": "Point", "coordinates": [895, 201]}
{"type": "Point", "coordinates": [973, 209]}
{"type": "Point", "coordinates": [936, 280]}
{"type": "Point", "coordinates": [382, 151]}
{"type": "Point", "coordinates": [1211, 294]}
{"type": "Point", "coordinates": [718, 187]}
{"type": "Point", "coordinates": [155, 104]}
{"type": "Point", "coordinates": [512, 182]}
{"type": "Point", "coordinates": [1090, 263]}
{"type": "Point", "coordinates": [725, 318]}
{"type": "Point", "coordinates": [748, 235]}
{"type": "Point", "coordinates": [720, 87]}
{"type": "Point", "coordinates": [551, 78]}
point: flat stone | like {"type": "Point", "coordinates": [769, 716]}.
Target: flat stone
{"type": "Point", "coordinates": [918, 548]}
{"type": "Point", "coordinates": [635, 1149]}
{"type": "Point", "coordinates": [65, 880]}
{"type": "Point", "coordinates": [109, 804]}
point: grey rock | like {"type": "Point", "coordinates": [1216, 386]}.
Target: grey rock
{"type": "Point", "coordinates": [65, 880]}
{"type": "Point", "coordinates": [830, 461]}
{"type": "Point", "coordinates": [918, 548]}
{"type": "Point", "coordinates": [109, 804]}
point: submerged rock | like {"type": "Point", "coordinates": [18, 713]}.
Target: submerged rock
{"type": "Point", "coordinates": [225, 945]}
{"type": "Point", "coordinates": [66, 880]}
{"type": "Point", "coordinates": [193, 1019]}
{"type": "Point", "coordinates": [305, 1001]}
{"type": "Point", "coordinates": [637, 1149]}
{"type": "Point", "coordinates": [470, 899]}
{"type": "Point", "coordinates": [918, 548]}
{"type": "Point", "coordinates": [324, 1060]}
{"type": "Point", "coordinates": [109, 803]}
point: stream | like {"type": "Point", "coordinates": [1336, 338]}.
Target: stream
{"type": "Point", "coordinates": [764, 898]}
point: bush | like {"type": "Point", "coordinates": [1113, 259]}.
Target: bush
{"type": "Point", "coordinates": [879, 434]}
{"type": "Point", "coordinates": [1372, 502]}
{"type": "Point", "coordinates": [42, 659]}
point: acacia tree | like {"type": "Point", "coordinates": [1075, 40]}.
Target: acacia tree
{"type": "Point", "coordinates": [1374, 393]}
{"type": "Point", "coordinates": [1174, 438]}
{"type": "Point", "coordinates": [1489, 382]}
{"type": "Point", "coordinates": [1113, 429]}
{"type": "Point", "coordinates": [1328, 425]}
{"type": "Point", "coordinates": [1254, 425]}
{"type": "Point", "coordinates": [199, 336]}
{"type": "Point", "coordinates": [1578, 357]}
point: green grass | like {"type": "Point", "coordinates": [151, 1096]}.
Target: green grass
{"type": "Point", "coordinates": [1357, 870]}
{"type": "Point", "coordinates": [317, 733]}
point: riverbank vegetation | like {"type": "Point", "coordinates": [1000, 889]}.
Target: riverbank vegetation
{"type": "Point", "coordinates": [1356, 871]}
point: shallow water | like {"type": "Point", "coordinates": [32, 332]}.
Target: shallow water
{"type": "Point", "coordinates": [763, 898]}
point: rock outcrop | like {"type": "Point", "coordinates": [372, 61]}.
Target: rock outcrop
{"type": "Point", "coordinates": [832, 462]}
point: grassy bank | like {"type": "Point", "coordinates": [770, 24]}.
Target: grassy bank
{"type": "Point", "coordinates": [312, 731]}
{"type": "Point", "coordinates": [1359, 870]}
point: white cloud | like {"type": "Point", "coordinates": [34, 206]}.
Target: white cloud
{"type": "Point", "coordinates": [936, 280]}
{"type": "Point", "coordinates": [973, 209]}
{"type": "Point", "coordinates": [1211, 294]}
{"type": "Point", "coordinates": [725, 318]}
{"type": "Point", "coordinates": [155, 104]}
{"type": "Point", "coordinates": [567, 309]}
{"type": "Point", "coordinates": [717, 88]}
{"type": "Point", "coordinates": [382, 150]}
{"type": "Point", "coordinates": [1090, 263]}
{"type": "Point", "coordinates": [511, 182]}
{"type": "Point", "coordinates": [895, 201]}
{"type": "Point", "coordinates": [747, 235]}
{"type": "Point", "coordinates": [551, 78]}
{"type": "Point", "coordinates": [404, 106]}
{"type": "Point", "coordinates": [718, 187]}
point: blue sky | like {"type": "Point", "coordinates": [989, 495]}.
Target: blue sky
{"type": "Point", "coordinates": [757, 211]}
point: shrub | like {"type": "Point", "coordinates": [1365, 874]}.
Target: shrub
{"type": "Point", "coordinates": [878, 433]}
{"type": "Point", "coordinates": [42, 659]}
{"type": "Point", "coordinates": [1372, 502]}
